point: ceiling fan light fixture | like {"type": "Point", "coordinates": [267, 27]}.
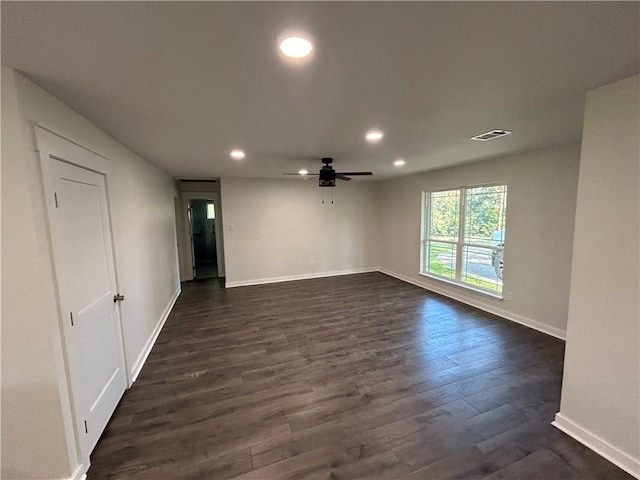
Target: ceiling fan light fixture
{"type": "Point", "coordinates": [296, 46]}
{"type": "Point", "coordinates": [374, 136]}
{"type": "Point", "coordinates": [237, 154]}
{"type": "Point", "coordinates": [399, 162]}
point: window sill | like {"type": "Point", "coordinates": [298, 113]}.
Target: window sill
{"type": "Point", "coordinates": [464, 286]}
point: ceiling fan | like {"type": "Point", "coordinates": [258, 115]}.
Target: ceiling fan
{"type": "Point", "coordinates": [327, 175]}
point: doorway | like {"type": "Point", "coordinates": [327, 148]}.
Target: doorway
{"type": "Point", "coordinates": [202, 219]}
{"type": "Point", "coordinates": [200, 239]}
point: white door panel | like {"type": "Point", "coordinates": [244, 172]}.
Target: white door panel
{"type": "Point", "coordinates": [84, 265]}
{"type": "Point", "coordinates": [83, 256]}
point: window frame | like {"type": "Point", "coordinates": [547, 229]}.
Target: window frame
{"type": "Point", "coordinates": [459, 244]}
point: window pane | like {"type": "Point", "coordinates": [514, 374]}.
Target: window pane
{"type": "Point", "coordinates": [444, 215]}
{"type": "Point", "coordinates": [440, 258]}
{"type": "Point", "coordinates": [484, 222]}
{"type": "Point", "coordinates": [482, 267]}
{"type": "Point", "coordinates": [211, 211]}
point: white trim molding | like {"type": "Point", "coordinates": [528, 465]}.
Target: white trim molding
{"type": "Point", "coordinates": [186, 259]}
{"type": "Point", "coordinates": [142, 358]}
{"type": "Point", "coordinates": [600, 446]}
{"type": "Point", "coordinates": [69, 150]}
{"type": "Point", "coordinates": [80, 473]}
{"type": "Point", "coordinates": [304, 276]}
{"type": "Point", "coordinates": [527, 322]}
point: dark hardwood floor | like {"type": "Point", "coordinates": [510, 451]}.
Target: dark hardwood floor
{"type": "Point", "coordinates": [361, 376]}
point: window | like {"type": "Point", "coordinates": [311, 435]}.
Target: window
{"type": "Point", "coordinates": [211, 211]}
{"type": "Point", "coordinates": [463, 234]}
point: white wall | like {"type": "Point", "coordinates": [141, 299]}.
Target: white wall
{"type": "Point", "coordinates": [36, 436]}
{"type": "Point", "coordinates": [540, 215]}
{"type": "Point", "coordinates": [601, 384]}
{"type": "Point", "coordinates": [274, 229]}
{"type": "Point", "coordinates": [33, 420]}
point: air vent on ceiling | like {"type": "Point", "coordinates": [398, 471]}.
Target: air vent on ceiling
{"type": "Point", "coordinates": [485, 137]}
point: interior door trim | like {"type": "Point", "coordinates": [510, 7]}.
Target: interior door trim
{"type": "Point", "coordinates": [185, 198]}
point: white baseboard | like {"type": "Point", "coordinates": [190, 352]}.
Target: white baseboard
{"type": "Point", "coordinates": [304, 276]}
{"type": "Point", "coordinates": [80, 473]}
{"type": "Point", "coordinates": [602, 447]}
{"type": "Point", "coordinates": [527, 322]}
{"type": "Point", "coordinates": [135, 371]}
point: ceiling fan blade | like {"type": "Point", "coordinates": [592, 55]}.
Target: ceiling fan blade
{"type": "Point", "coordinates": [354, 173]}
{"type": "Point", "coordinates": [340, 176]}
{"type": "Point", "coordinates": [308, 176]}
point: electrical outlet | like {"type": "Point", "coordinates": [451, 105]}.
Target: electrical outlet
{"type": "Point", "coordinates": [508, 296]}
{"type": "Point", "coordinates": [312, 263]}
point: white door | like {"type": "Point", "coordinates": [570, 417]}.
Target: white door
{"type": "Point", "coordinates": [83, 256]}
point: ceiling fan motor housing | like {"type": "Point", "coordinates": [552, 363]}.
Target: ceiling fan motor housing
{"type": "Point", "coordinates": [327, 177]}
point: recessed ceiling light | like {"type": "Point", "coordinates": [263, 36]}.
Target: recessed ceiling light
{"type": "Point", "coordinates": [374, 136]}
{"type": "Point", "coordinates": [296, 47]}
{"type": "Point", "coordinates": [399, 162]}
{"type": "Point", "coordinates": [237, 154]}
{"type": "Point", "coordinates": [302, 172]}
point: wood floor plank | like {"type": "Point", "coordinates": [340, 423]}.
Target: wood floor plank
{"type": "Point", "coordinates": [354, 377]}
{"type": "Point", "coordinates": [469, 463]}
{"type": "Point", "coordinates": [541, 464]}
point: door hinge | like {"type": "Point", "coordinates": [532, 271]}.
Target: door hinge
{"type": "Point", "coordinates": [118, 298]}
{"type": "Point", "coordinates": [55, 197]}
{"type": "Point", "coordinates": [86, 429]}
{"type": "Point", "coordinates": [71, 316]}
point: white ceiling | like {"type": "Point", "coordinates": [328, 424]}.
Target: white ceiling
{"type": "Point", "coordinates": [184, 83]}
